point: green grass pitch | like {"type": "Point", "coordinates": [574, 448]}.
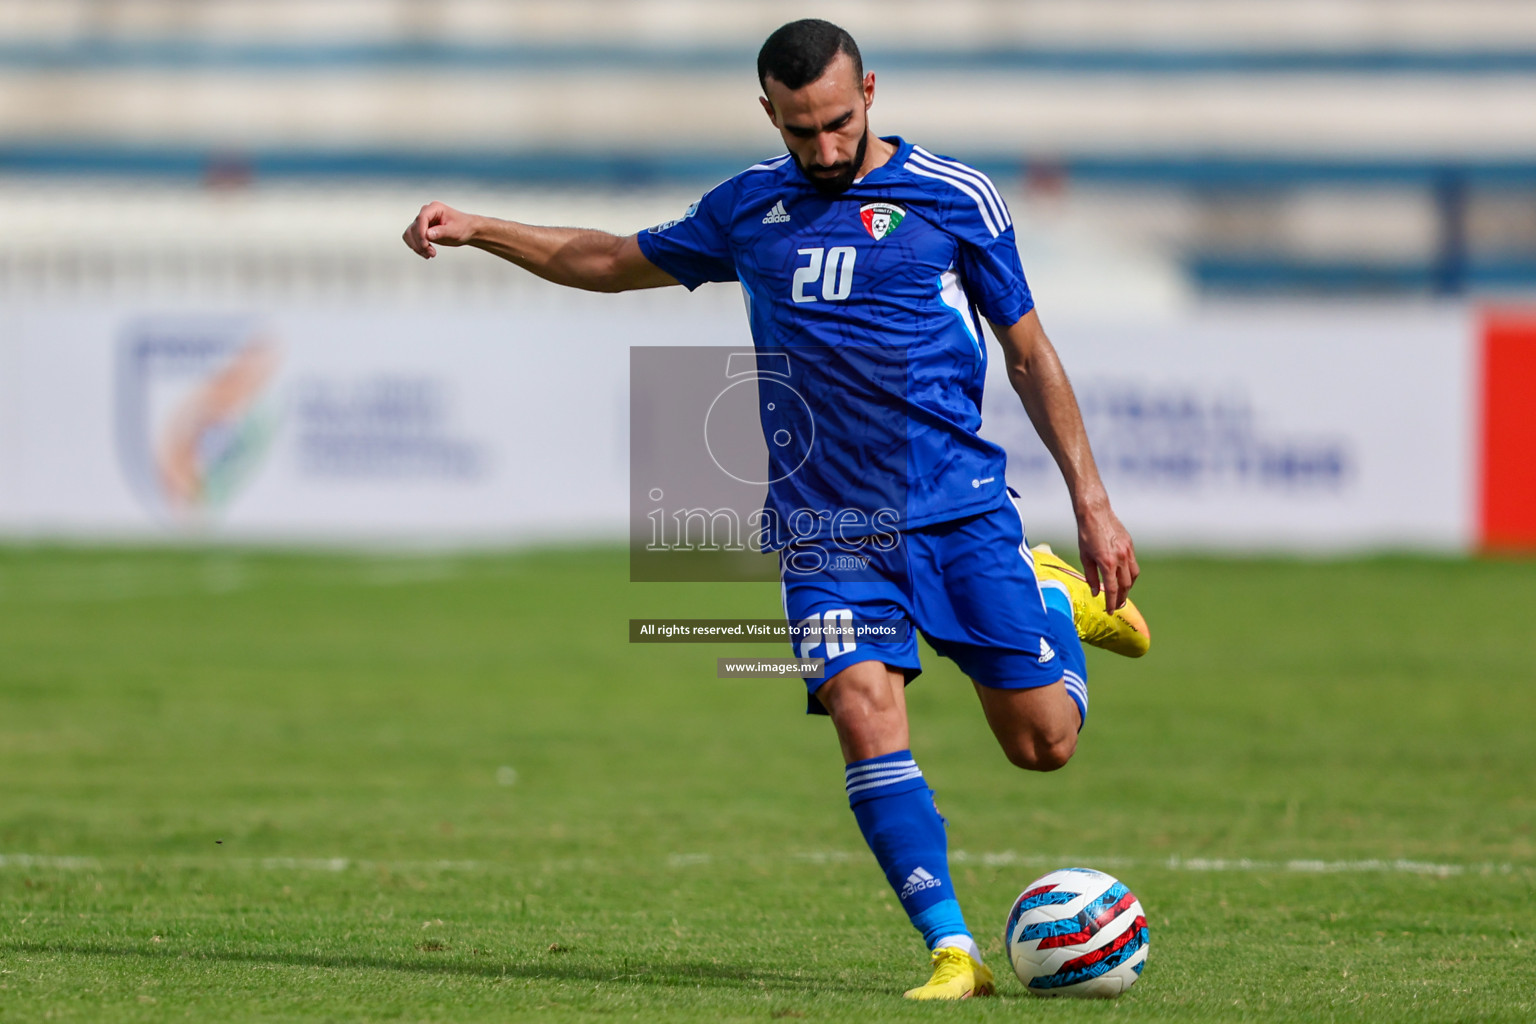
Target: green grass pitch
{"type": "Point", "coordinates": [242, 786]}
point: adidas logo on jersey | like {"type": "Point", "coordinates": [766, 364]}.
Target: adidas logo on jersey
{"type": "Point", "coordinates": [917, 881]}
{"type": "Point", "coordinates": [1047, 652]}
{"type": "Point", "coordinates": [777, 215]}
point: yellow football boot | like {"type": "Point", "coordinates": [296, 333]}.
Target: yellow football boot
{"type": "Point", "coordinates": [955, 976]}
{"type": "Point", "coordinates": [1123, 631]}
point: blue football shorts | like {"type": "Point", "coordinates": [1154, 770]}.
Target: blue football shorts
{"type": "Point", "coordinates": [968, 585]}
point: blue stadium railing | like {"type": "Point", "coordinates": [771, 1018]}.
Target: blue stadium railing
{"type": "Point", "coordinates": [1452, 270]}
{"type": "Point", "coordinates": [1274, 274]}
{"type": "Point", "coordinates": [106, 53]}
{"type": "Point", "coordinates": [576, 167]}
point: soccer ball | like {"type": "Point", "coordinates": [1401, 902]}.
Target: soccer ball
{"type": "Point", "coordinates": [1077, 932]}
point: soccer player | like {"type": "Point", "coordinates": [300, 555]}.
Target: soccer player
{"type": "Point", "coordinates": [871, 262]}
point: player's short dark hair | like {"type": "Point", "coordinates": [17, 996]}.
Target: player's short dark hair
{"type": "Point", "coordinates": [797, 54]}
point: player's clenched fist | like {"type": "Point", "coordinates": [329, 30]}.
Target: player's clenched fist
{"type": "Point", "coordinates": [440, 223]}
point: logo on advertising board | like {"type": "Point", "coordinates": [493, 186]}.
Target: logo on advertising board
{"type": "Point", "coordinates": [195, 412]}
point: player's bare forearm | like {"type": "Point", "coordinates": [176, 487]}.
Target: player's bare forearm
{"type": "Point", "coordinates": [1041, 383]}
{"type": "Point", "coordinates": [1037, 376]}
{"type": "Point", "coordinates": [574, 257]}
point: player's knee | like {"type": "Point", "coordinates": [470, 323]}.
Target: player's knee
{"type": "Point", "coordinates": [861, 700]}
{"type": "Point", "coordinates": [1057, 753]}
{"type": "Point", "coordinates": [1036, 752]}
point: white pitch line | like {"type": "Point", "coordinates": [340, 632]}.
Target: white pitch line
{"type": "Point", "coordinates": [328, 864]}
{"type": "Point", "coordinates": [1177, 863]}
{"type": "Point", "coordinates": [28, 860]}
{"type": "Point", "coordinates": [1399, 866]}
{"type": "Point", "coordinates": [1003, 858]}
{"type": "Point", "coordinates": [688, 860]}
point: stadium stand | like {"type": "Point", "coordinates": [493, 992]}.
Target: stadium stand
{"type": "Point", "coordinates": [1347, 145]}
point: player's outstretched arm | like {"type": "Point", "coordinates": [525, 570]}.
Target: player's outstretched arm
{"type": "Point", "coordinates": [576, 257]}
{"type": "Point", "coordinates": [1109, 557]}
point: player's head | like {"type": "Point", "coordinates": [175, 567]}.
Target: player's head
{"type": "Point", "coordinates": [817, 95]}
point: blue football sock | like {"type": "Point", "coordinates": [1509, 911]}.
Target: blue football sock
{"type": "Point", "coordinates": [896, 813]}
{"type": "Point", "coordinates": [1074, 666]}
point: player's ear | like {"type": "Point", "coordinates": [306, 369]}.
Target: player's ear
{"type": "Point", "coordinates": [869, 89]}
{"type": "Point", "coordinates": [768, 109]}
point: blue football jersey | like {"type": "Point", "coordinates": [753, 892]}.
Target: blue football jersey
{"type": "Point", "coordinates": [873, 296]}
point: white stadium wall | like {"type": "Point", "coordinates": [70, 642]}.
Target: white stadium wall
{"type": "Point", "coordinates": [1267, 429]}
{"type": "Point", "coordinates": [1249, 428]}
{"type": "Point", "coordinates": [320, 424]}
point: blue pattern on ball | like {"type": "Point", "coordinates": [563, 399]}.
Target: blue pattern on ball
{"type": "Point", "coordinates": [1061, 979]}
{"type": "Point", "coordinates": [1081, 922]}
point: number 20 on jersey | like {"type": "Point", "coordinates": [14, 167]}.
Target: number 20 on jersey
{"type": "Point", "coordinates": [830, 272]}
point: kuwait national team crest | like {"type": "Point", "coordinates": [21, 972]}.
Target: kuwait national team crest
{"type": "Point", "coordinates": [880, 219]}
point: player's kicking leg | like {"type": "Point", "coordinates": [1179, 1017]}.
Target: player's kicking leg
{"type": "Point", "coordinates": [896, 813]}
{"type": "Point", "coordinates": [1037, 728]}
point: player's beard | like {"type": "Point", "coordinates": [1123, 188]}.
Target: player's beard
{"type": "Point", "coordinates": [836, 184]}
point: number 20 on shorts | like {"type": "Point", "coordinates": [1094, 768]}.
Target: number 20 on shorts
{"type": "Point", "coordinates": [835, 627]}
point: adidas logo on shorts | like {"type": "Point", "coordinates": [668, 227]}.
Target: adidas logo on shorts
{"type": "Point", "coordinates": [917, 881]}
{"type": "Point", "coordinates": [777, 215]}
